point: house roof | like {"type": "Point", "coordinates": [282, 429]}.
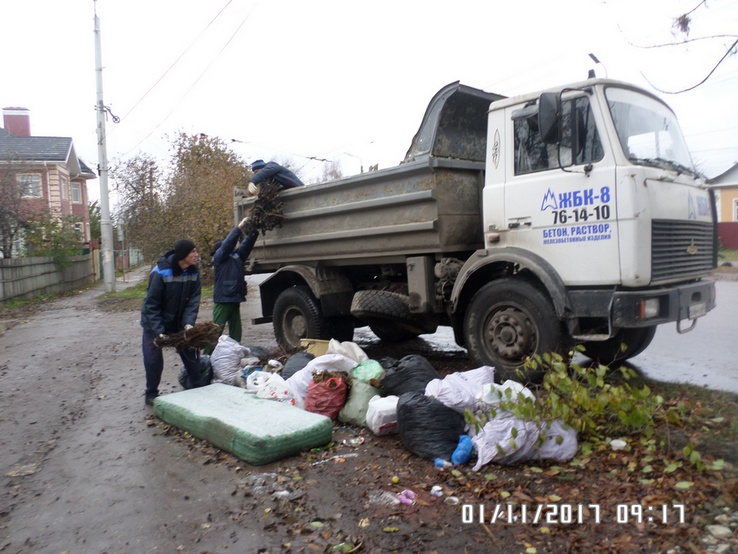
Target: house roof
{"type": "Point", "coordinates": [33, 149]}
{"type": "Point", "coordinates": [728, 178]}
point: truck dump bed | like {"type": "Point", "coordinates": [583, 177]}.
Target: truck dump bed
{"type": "Point", "coordinates": [429, 204]}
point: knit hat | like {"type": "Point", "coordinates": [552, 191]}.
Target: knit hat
{"type": "Point", "coordinates": [217, 246]}
{"type": "Point", "coordinates": [257, 165]}
{"type": "Point", "coordinates": [182, 249]}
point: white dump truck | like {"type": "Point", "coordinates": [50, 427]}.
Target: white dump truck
{"type": "Point", "coordinates": [527, 224]}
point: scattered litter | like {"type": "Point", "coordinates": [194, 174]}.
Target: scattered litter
{"type": "Point", "coordinates": [407, 497]}
{"type": "Point", "coordinates": [274, 365]}
{"type": "Point", "coordinates": [451, 500]}
{"type": "Point", "coordinates": [364, 522]}
{"type": "Point", "coordinates": [437, 491]}
{"type": "Point", "coordinates": [618, 444]}
{"type": "Point", "coordinates": [442, 464]}
{"type": "Point", "coordinates": [334, 458]}
{"type": "Point", "coordinates": [383, 498]}
{"type": "Point", "coordinates": [354, 441]}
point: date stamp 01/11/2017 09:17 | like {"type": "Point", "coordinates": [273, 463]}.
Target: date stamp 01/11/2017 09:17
{"type": "Point", "coordinates": [572, 514]}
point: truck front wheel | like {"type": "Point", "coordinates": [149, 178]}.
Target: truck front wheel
{"type": "Point", "coordinates": [626, 344]}
{"type": "Point", "coordinates": [297, 315]}
{"type": "Point", "coordinates": [507, 321]}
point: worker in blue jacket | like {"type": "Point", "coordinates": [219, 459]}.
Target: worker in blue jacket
{"type": "Point", "coordinates": [171, 305]}
{"type": "Point", "coordinates": [230, 286]}
{"type": "Point", "coordinates": [272, 171]}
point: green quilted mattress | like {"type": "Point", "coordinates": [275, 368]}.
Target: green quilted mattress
{"type": "Point", "coordinates": [256, 430]}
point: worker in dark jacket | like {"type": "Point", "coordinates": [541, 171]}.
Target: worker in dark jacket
{"type": "Point", "coordinates": [230, 287]}
{"type": "Point", "coordinates": [272, 171]}
{"type": "Point", "coordinates": [171, 305]}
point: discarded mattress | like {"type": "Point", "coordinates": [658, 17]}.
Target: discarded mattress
{"type": "Point", "coordinates": [256, 430]}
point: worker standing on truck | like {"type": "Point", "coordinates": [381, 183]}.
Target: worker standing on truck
{"type": "Point", "coordinates": [171, 305]}
{"type": "Point", "coordinates": [230, 287]}
{"type": "Point", "coordinates": [272, 171]}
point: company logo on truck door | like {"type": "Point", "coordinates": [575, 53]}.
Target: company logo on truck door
{"type": "Point", "coordinates": [583, 211]}
{"type": "Point", "coordinates": [578, 205]}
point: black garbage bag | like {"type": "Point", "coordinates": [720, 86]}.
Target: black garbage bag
{"type": "Point", "coordinates": [206, 370]}
{"type": "Point", "coordinates": [411, 373]}
{"type": "Point", "coordinates": [295, 363]}
{"type": "Point", "coordinates": [427, 427]}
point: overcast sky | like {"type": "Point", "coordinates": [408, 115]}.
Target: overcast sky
{"type": "Point", "coordinates": [342, 80]}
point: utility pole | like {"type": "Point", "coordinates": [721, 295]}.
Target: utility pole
{"type": "Point", "coordinates": [106, 225]}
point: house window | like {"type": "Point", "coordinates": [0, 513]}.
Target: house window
{"type": "Point", "coordinates": [735, 209]}
{"type": "Point", "coordinates": [64, 184]}
{"type": "Point", "coordinates": [76, 193]}
{"type": "Point", "coordinates": [30, 185]}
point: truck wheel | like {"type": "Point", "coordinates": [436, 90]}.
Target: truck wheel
{"type": "Point", "coordinates": [636, 340]}
{"type": "Point", "coordinates": [507, 321]}
{"type": "Point", "coordinates": [389, 313]}
{"type": "Point", "coordinates": [297, 315]}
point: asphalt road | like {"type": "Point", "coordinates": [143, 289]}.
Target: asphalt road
{"type": "Point", "coordinates": [706, 356]}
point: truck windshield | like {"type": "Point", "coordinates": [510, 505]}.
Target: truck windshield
{"type": "Point", "coordinates": [648, 131]}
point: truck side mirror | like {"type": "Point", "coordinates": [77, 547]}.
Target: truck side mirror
{"type": "Point", "coordinates": [549, 122]}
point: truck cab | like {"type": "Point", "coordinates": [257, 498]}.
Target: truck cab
{"type": "Point", "coordinates": [594, 186]}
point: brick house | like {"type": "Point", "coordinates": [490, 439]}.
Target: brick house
{"type": "Point", "coordinates": [47, 169]}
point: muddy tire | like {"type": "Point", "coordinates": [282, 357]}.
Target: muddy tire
{"type": "Point", "coordinates": [388, 315]}
{"type": "Point", "coordinates": [626, 344]}
{"type": "Point", "coordinates": [297, 315]}
{"type": "Point", "coordinates": [507, 321]}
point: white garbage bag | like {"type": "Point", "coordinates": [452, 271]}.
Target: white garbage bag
{"type": "Point", "coordinates": [226, 359]}
{"type": "Point", "coordinates": [348, 349]}
{"type": "Point", "coordinates": [460, 391]}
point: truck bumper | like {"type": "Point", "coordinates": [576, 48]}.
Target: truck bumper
{"type": "Point", "coordinates": [645, 308]}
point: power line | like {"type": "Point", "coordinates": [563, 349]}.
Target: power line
{"type": "Point", "coordinates": [177, 60]}
{"type": "Point", "coordinates": [202, 73]}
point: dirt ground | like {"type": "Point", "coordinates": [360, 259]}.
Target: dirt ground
{"type": "Point", "coordinates": [87, 468]}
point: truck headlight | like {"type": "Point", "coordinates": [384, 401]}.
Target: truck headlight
{"type": "Point", "coordinates": [649, 308]}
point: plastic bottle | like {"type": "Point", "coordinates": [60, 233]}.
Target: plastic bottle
{"type": "Point", "coordinates": [463, 451]}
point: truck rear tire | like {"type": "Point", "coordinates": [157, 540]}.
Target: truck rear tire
{"type": "Point", "coordinates": [297, 315]}
{"type": "Point", "coordinates": [388, 315]}
{"type": "Point", "coordinates": [507, 321]}
{"type": "Point", "coordinates": [636, 340]}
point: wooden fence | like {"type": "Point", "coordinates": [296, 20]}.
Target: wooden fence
{"type": "Point", "coordinates": [30, 277]}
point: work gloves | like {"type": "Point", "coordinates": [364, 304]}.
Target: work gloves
{"type": "Point", "coordinates": [160, 339]}
{"type": "Point", "coordinates": [253, 189]}
{"type": "Point", "coordinates": [244, 224]}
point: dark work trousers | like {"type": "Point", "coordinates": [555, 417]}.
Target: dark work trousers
{"type": "Point", "coordinates": [153, 359]}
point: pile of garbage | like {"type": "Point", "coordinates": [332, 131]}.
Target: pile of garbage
{"type": "Point", "coordinates": [407, 397]}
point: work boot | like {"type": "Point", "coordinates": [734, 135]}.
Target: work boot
{"type": "Point", "coordinates": [150, 396]}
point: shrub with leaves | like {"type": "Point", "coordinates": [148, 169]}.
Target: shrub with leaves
{"type": "Point", "coordinates": [596, 401]}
